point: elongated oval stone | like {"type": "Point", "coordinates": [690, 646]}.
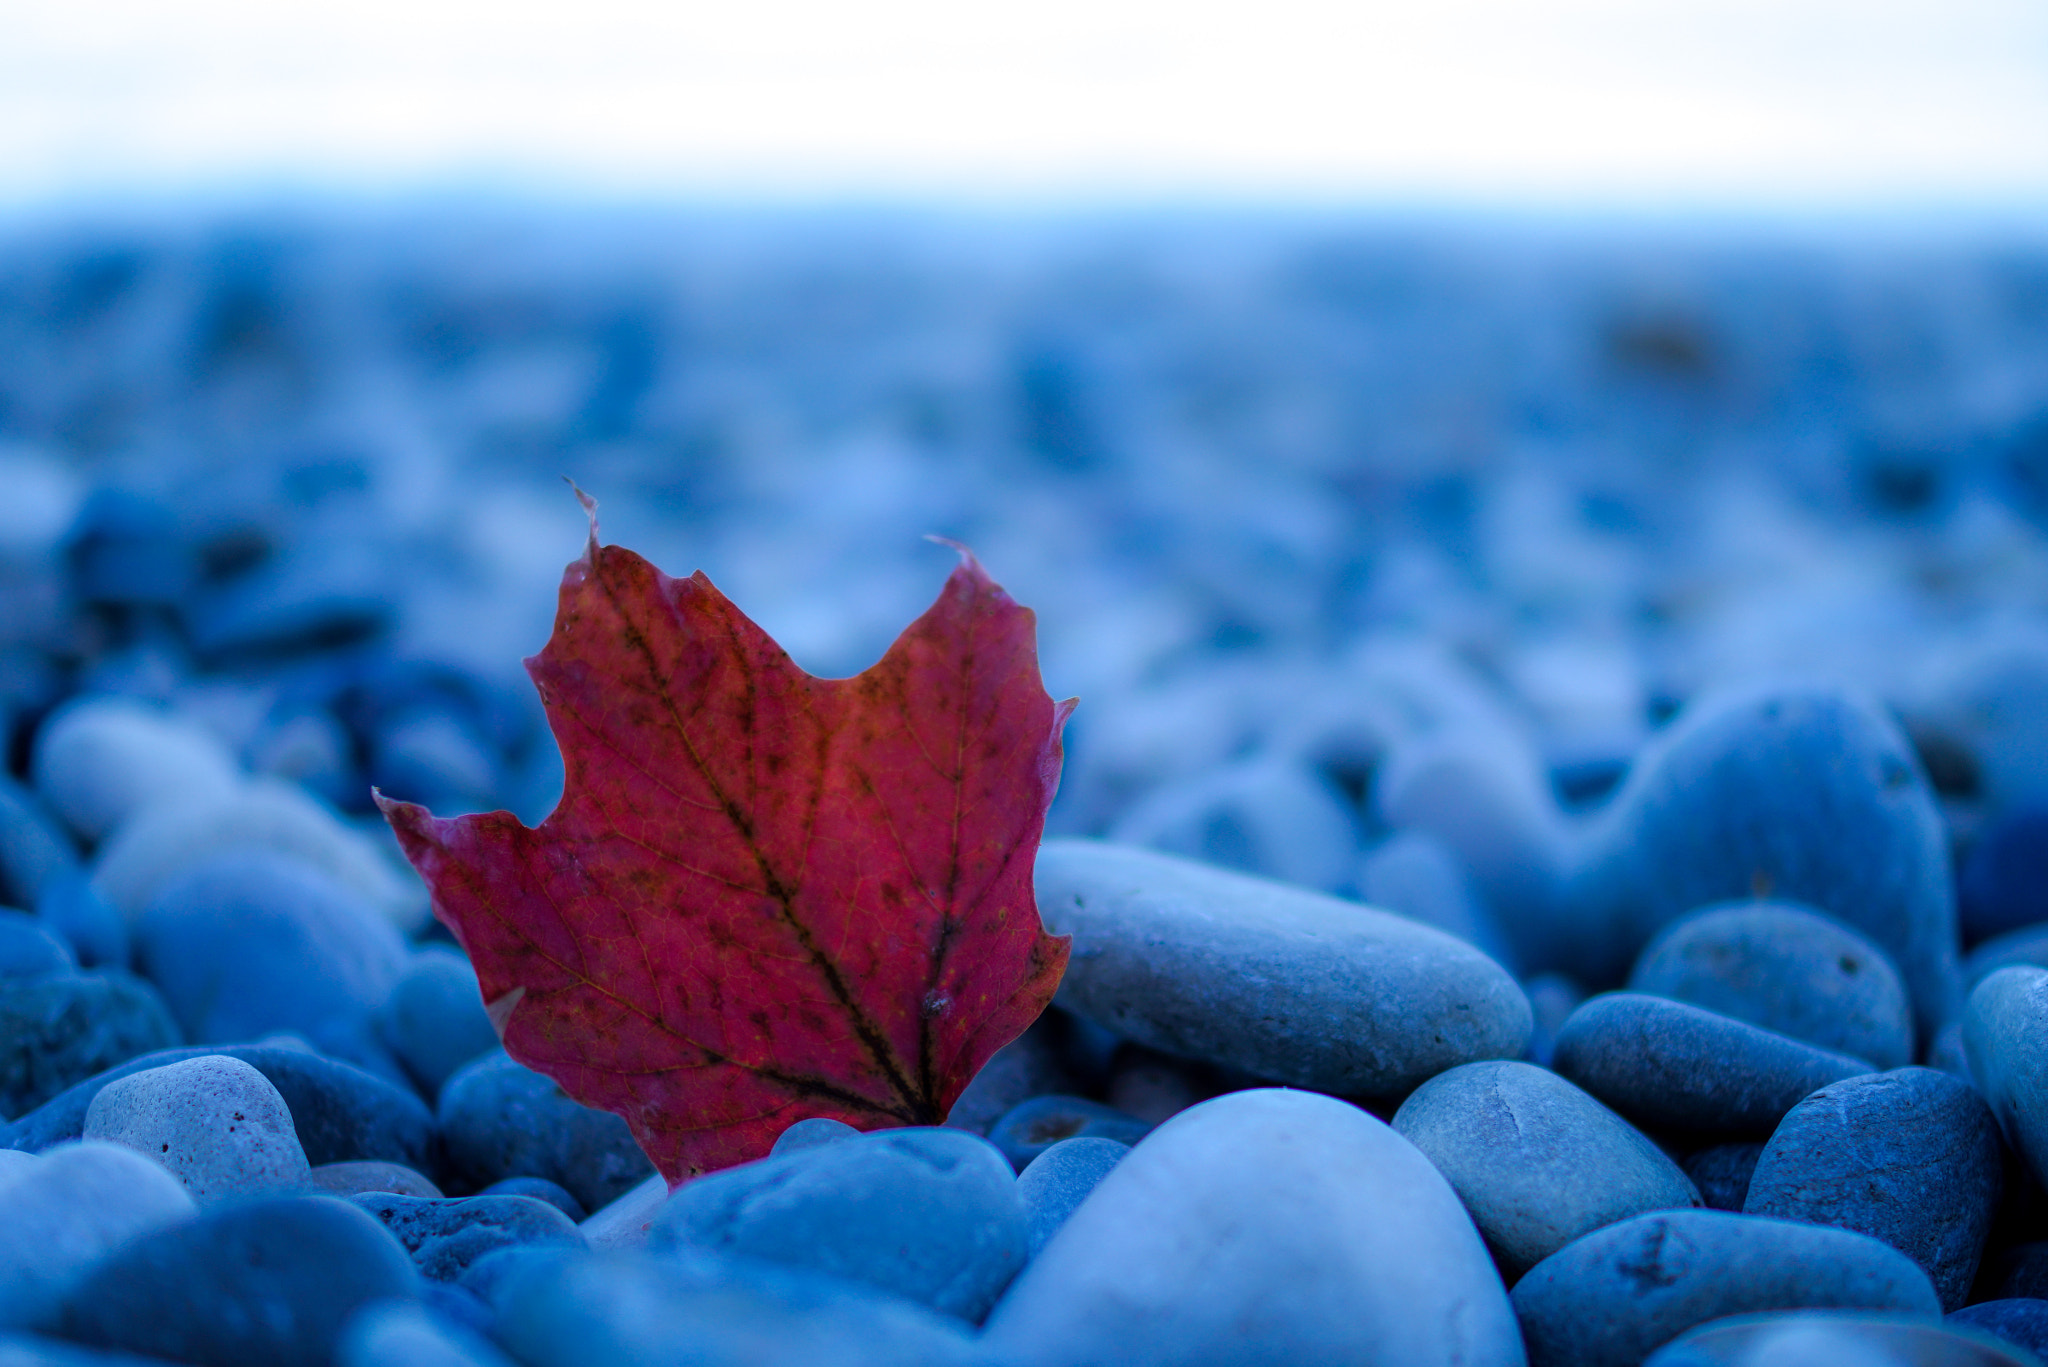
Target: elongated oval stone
{"type": "Point", "coordinates": [1278, 981]}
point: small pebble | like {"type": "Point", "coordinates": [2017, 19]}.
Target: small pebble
{"type": "Point", "coordinates": [1787, 969]}
{"type": "Point", "coordinates": [66, 1211]}
{"type": "Point", "coordinates": [60, 1029]}
{"type": "Point", "coordinates": [33, 850]}
{"type": "Point", "coordinates": [1535, 1160]}
{"type": "Point", "coordinates": [445, 1236]}
{"type": "Point", "coordinates": [70, 906]}
{"type": "Point", "coordinates": [347, 1179]}
{"type": "Point", "coordinates": [433, 1021]}
{"type": "Point", "coordinates": [267, 1281]}
{"type": "Point", "coordinates": [502, 1120]}
{"type": "Point", "coordinates": [1060, 1178]}
{"type": "Point", "coordinates": [1615, 1296]}
{"type": "Point", "coordinates": [814, 1132]}
{"type": "Point", "coordinates": [1044, 1121]}
{"type": "Point", "coordinates": [214, 1123]}
{"type": "Point", "coordinates": [1910, 1157]}
{"type": "Point", "coordinates": [99, 760]}
{"type": "Point", "coordinates": [2005, 1038]}
{"type": "Point", "coordinates": [1675, 1067]}
{"type": "Point", "coordinates": [932, 1215]}
{"type": "Point", "coordinates": [1275, 980]}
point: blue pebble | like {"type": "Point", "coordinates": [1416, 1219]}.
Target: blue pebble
{"type": "Point", "coordinates": [434, 1020]}
{"type": "Point", "coordinates": [1680, 1068]}
{"type": "Point", "coordinates": [33, 848]}
{"type": "Point", "coordinates": [1032, 1128]}
{"type": "Point", "coordinates": [252, 1282]}
{"type": "Point", "coordinates": [1911, 1157]}
{"type": "Point", "coordinates": [444, 1236]}
{"type": "Point", "coordinates": [251, 942]}
{"type": "Point", "coordinates": [2021, 1320]}
{"type": "Point", "coordinates": [72, 907]}
{"type": "Point", "coordinates": [932, 1215]}
{"type": "Point", "coordinates": [342, 1114]}
{"type": "Point", "coordinates": [60, 1029]}
{"type": "Point", "coordinates": [2003, 884]}
{"type": "Point", "coordinates": [1060, 1178]}
{"type": "Point", "coordinates": [812, 1133]}
{"type": "Point", "coordinates": [540, 1189]}
{"type": "Point", "coordinates": [502, 1120]}
{"type": "Point", "coordinates": [1804, 794]}
{"type": "Point", "coordinates": [29, 949]}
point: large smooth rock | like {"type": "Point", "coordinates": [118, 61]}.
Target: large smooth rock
{"type": "Point", "coordinates": [1535, 1160]}
{"type": "Point", "coordinates": [503, 1120]}
{"type": "Point", "coordinates": [1278, 981]}
{"type": "Point", "coordinates": [60, 1029]}
{"type": "Point", "coordinates": [1910, 1157]}
{"type": "Point", "coordinates": [1675, 1067]}
{"type": "Point", "coordinates": [61, 1213]}
{"type": "Point", "coordinates": [341, 1113]}
{"type": "Point", "coordinates": [932, 1215]}
{"type": "Point", "coordinates": [1617, 1295]}
{"type": "Point", "coordinates": [1787, 969]}
{"type": "Point", "coordinates": [1265, 1226]}
{"type": "Point", "coordinates": [1798, 792]}
{"type": "Point", "coordinates": [2005, 1037]}
{"type": "Point", "coordinates": [214, 1123]}
{"type": "Point", "coordinates": [263, 1283]}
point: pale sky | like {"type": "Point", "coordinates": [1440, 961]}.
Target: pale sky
{"type": "Point", "coordinates": [1553, 101]}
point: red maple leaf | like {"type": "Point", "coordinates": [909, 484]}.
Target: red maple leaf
{"type": "Point", "coordinates": [763, 896]}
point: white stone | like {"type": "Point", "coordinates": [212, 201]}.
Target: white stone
{"type": "Point", "coordinates": [100, 760]}
{"type": "Point", "coordinates": [60, 1213]}
{"type": "Point", "coordinates": [167, 838]}
{"type": "Point", "coordinates": [213, 1122]}
{"type": "Point", "coordinates": [1271, 1227]}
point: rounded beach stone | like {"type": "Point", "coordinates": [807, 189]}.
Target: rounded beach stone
{"type": "Point", "coordinates": [1044, 1121]}
{"type": "Point", "coordinates": [2022, 1321]}
{"type": "Point", "coordinates": [1800, 793]}
{"type": "Point", "coordinates": [99, 760]}
{"type": "Point", "coordinates": [402, 1334]}
{"type": "Point", "coordinates": [214, 1123]}
{"type": "Point", "coordinates": [1722, 1172]}
{"type": "Point", "coordinates": [538, 1189]}
{"type": "Point", "coordinates": [812, 1133]}
{"type": "Point", "coordinates": [270, 1281]}
{"type": "Point", "coordinates": [347, 1179]}
{"type": "Point", "coordinates": [1264, 1226]}
{"type": "Point", "coordinates": [1060, 1178]}
{"type": "Point", "coordinates": [1788, 969]}
{"type": "Point", "coordinates": [434, 1021]}
{"type": "Point", "coordinates": [252, 942]}
{"type": "Point", "coordinates": [1615, 1296]}
{"type": "Point", "coordinates": [61, 1029]}
{"type": "Point", "coordinates": [445, 1236]}
{"type": "Point", "coordinates": [1671, 1066]}
{"type": "Point", "coordinates": [340, 1113]}
{"type": "Point", "coordinates": [1535, 1160]}
{"type": "Point", "coordinates": [30, 949]}
{"type": "Point", "coordinates": [1274, 980]}
{"type": "Point", "coordinates": [1834, 1338]}
{"type": "Point", "coordinates": [2005, 1038]}
{"type": "Point", "coordinates": [502, 1120]}
{"type": "Point", "coordinates": [1910, 1157]}
{"type": "Point", "coordinates": [930, 1214]}
{"type": "Point", "coordinates": [63, 1212]}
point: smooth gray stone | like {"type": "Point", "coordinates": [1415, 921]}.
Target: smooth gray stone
{"type": "Point", "coordinates": [1836, 1338]}
{"type": "Point", "coordinates": [621, 1310]}
{"type": "Point", "coordinates": [1267, 1226]}
{"type": "Point", "coordinates": [1535, 1160]}
{"type": "Point", "coordinates": [1617, 1295]}
{"type": "Point", "coordinates": [1055, 1183]}
{"type": "Point", "coordinates": [1910, 1157]}
{"type": "Point", "coordinates": [213, 1122]}
{"type": "Point", "coordinates": [444, 1236]}
{"type": "Point", "coordinates": [930, 1214]}
{"type": "Point", "coordinates": [2005, 1038]}
{"type": "Point", "coordinates": [262, 1283]}
{"type": "Point", "coordinates": [501, 1120]}
{"type": "Point", "coordinates": [1786, 968]}
{"type": "Point", "coordinates": [1277, 981]}
{"type": "Point", "coordinates": [64, 1211]}
{"type": "Point", "coordinates": [59, 1030]}
{"type": "Point", "coordinates": [1671, 1066]}
{"type": "Point", "coordinates": [1801, 792]}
